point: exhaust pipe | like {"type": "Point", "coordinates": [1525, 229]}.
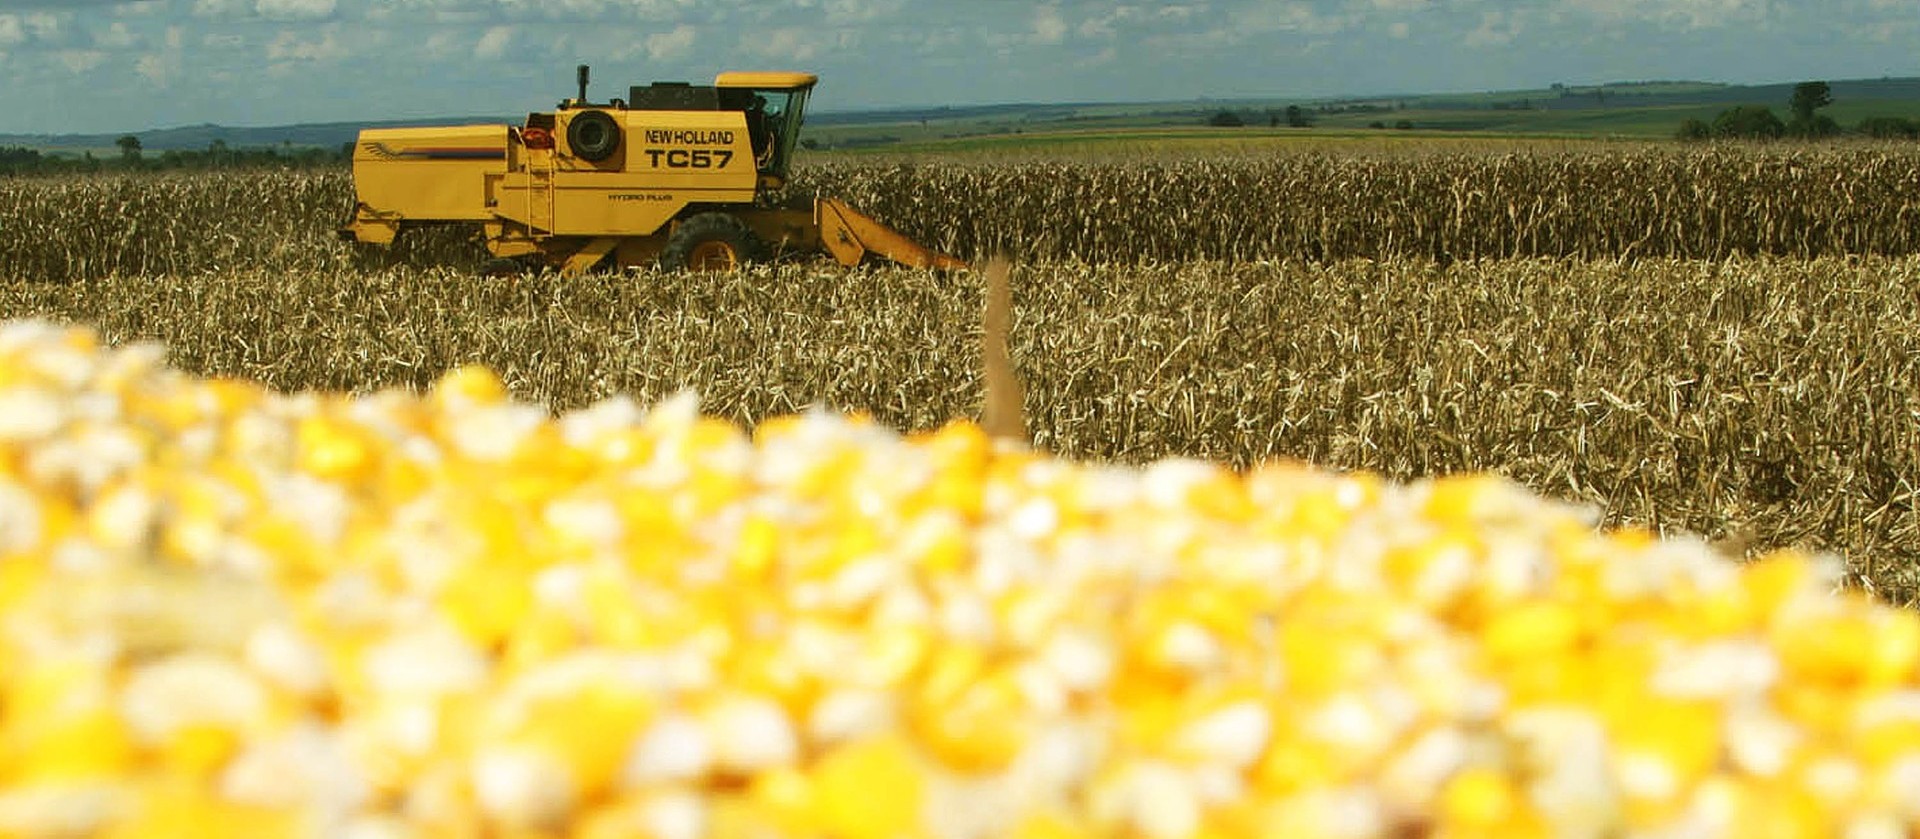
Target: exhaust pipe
{"type": "Point", "coordinates": [583, 74]}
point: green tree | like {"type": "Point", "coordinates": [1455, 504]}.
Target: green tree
{"type": "Point", "coordinates": [16, 159]}
{"type": "Point", "coordinates": [1809, 97]}
{"type": "Point", "coordinates": [1890, 128]}
{"type": "Point", "coordinates": [1297, 117]}
{"type": "Point", "coordinates": [129, 148]}
{"type": "Point", "coordinates": [1750, 122]}
{"type": "Point", "coordinates": [1820, 126]}
{"type": "Point", "coordinates": [1226, 119]}
{"type": "Point", "coordinates": [1694, 129]}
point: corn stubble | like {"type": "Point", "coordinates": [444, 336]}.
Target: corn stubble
{"type": "Point", "coordinates": [1762, 402]}
{"type": "Point", "coordinates": [1638, 201]}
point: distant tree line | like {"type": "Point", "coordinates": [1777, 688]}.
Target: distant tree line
{"type": "Point", "coordinates": [1758, 122]}
{"type": "Point", "coordinates": [1293, 117]}
{"type": "Point", "coordinates": [18, 160]}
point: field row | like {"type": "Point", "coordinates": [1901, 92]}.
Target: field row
{"type": "Point", "coordinates": [1766, 402]}
{"type": "Point", "coordinates": [1638, 201]}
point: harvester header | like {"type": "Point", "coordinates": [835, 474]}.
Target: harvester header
{"type": "Point", "coordinates": [676, 174]}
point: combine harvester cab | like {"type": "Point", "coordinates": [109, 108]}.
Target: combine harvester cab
{"type": "Point", "coordinates": [676, 174]}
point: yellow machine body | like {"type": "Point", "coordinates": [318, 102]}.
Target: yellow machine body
{"type": "Point", "coordinates": [425, 173]}
{"type": "Point", "coordinates": [677, 174]}
{"type": "Point", "coordinates": [648, 181]}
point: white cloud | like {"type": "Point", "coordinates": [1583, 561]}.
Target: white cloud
{"type": "Point", "coordinates": [792, 43]}
{"type": "Point", "coordinates": [135, 8]}
{"type": "Point", "coordinates": [416, 7]}
{"type": "Point", "coordinates": [632, 10]}
{"type": "Point", "coordinates": [294, 9]}
{"type": "Point", "coordinates": [441, 45]}
{"type": "Point", "coordinates": [11, 32]}
{"type": "Point", "coordinates": [1300, 17]}
{"type": "Point", "coordinates": [1048, 26]}
{"type": "Point", "coordinates": [1672, 14]}
{"type": "Point", "coordinates": [1106, 22]}
{"type": "Point", "coordinates": [494, 43]}
{"type": "Point", "coordinates": [672, 45]}
{"type": "Point", "coordinates": [80, 61]}
{"type": "Point", "coordinates": [289, 47]}
{"type": "Point", "coordinates": [1496, 29]}
{"type": "Point", "coordinates": [841, 12]}
{"type": "Point", "coordinates": [1100, 59]}
{"type": "Point", "coordinates": [159, 68]}
{"type": "Point", "coordinates": [221, 8]}
{"type": "Point", "coordinates": [44, 26]}
{"type": "Point", "coordinates": [116, 37]}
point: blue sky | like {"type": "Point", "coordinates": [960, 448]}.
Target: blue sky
{"type": "Point", "coordinates": [103, 66]}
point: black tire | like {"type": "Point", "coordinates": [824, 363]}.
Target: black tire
{"type": "Point", "coordinates": [593, 136]}
{"type": "Point", "coordinates": [711, 242]}
{"type": "Point", "coordinates": [500, 267]}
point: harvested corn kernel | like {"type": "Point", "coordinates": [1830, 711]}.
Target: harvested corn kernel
{"type": "Point", "coordinates": [229, 612]}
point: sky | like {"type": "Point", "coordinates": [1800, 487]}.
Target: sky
{"type": "Point", "coordinates": [101, 66]}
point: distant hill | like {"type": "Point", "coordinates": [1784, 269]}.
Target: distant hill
{"type": "Point", "coordinates": [198, 137]}
{"type": "Point", "coordinates": [1644, 108]}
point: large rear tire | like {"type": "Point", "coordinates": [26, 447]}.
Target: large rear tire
{"type": "Point", "coordinates": [711, 242]}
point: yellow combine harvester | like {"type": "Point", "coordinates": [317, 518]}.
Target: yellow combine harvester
{"type": "Point", "coordinates": [676, 174]}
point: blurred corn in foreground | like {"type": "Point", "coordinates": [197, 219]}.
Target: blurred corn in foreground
{"type": "Point", "coordinates": [225, 612]}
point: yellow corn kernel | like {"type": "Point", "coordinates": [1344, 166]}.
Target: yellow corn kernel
{"type": "Point", "coordinates": [1050, 825]}
{"type": "Point", "coordinates": [1478, 799]}
{"type": "Point", "coordinates": [333, 450]}
{"type": "Point", "coordinates": [469, 385]}
{"type": "Point", "coordinates": [589, 732]}
{"type": "Point", "coordinates": [758, 546]}
{"type": "Point", "coordinates": [542, 635]}
{"type": "Point", "coordinates": [786, 797]}
{"type": "Point", "coordinates": [870, 789]}
{"type": "Point", "coordinates": [1291, 766]}
{"type": "Point", "coordinates": [1531, 631]}
{"type": "Point", "coordinates": [486, 601]}
{"type": "Point", "coordinates": [970, 716]}
{"type": "Point", "coordinates": [1894, 655]}
{"type": "Point", "coordinates": [1772, 579]}
{"type": "Point", "coordinates": [178, 810]}
{"type": "Point", "coordinates": [858, 634]}
{"type": "Point", "coordinates": [88, 744]}
{"type": "Point", "coordinates": [195, 751]}
{"type": "Point", "coordinates": [1835, 649]}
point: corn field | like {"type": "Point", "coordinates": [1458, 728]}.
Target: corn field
{"type": "Point", "coordinates": [1763, 402]}
{"type": "Point", "coordinates": [1644, 203]}
{"type": "Point", "coordinates": [1629, 203]}
{"type": "Point", "coordinates": [1717, 340]}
